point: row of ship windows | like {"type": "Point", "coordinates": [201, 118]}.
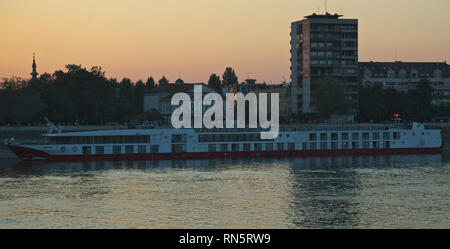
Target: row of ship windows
{"type": "Point", "coordinates": [116, 149]}
{"type": "Point", "coordinates": [303, 146]}
{"type": "Point", "coordinates": [141, 149]}
{"type": "Point", "coordinates": [354, 136]}
{"type": "Point", "coordinates": [99, 139]}
{"type": "Point", "coordinates": [312, 136]}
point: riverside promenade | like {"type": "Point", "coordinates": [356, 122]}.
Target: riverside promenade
{"type": "Point", "coordinates": [34, 133]}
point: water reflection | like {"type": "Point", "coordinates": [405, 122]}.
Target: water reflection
{"type": "Point", "coordinates": [327, 192]}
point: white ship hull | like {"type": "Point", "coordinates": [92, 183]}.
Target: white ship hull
{"type": "Point", "coordinates": [147, 144]}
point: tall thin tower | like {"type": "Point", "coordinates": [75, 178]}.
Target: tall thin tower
{"type": "Point", "coordinates": [34, 74]}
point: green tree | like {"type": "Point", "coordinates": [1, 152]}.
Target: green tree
{"type": "Point", "coordinates": [329, 97]}
{"type": "Point", "coordinates": [20, 101]}
{"type": "Point", "coordinates": [422, 99]}
{"type": "Point", "coordinates": [229, 77]}
{"type": "Point", "coordinates": [163, 82]}
{"type": "Point", "coordinates": [214, 82]}
{"type": "Point", "coordinates": [150, 83]}
{"type": "Point", "coordinates": [139, 90]}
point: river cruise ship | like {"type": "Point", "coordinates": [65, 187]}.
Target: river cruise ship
{"type": "Point", "coordinates": [170, 144]}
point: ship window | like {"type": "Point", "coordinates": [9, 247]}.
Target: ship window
{"type": "Point", "coordinates": [136, 139]}
{"type": "Point", "coordinates": [334, 136]}
{"type": "Point", "coordinates": [154, 148]}
{"type": "Point", "coordinates": [304, 145]}
{"type": "Point", "coordinates": [291, 146]}
{"type": "Point", "coordinates": [218, 137]}
{"type": "Point", "coordinates": [355, 136]}
{"type": "Point", "coordinates": [269, 147]}
{"type": "Point", "coordinates": [142, 149]}
{"type": "Point", "coordinates": [344, 136]}
{"type": "Point", "coordinates": [365, 136]}
{"type": "Point", "coordinates": [179, 138]}
{"type": "Point", "coordinates": [117, 139]}
{"type": "Point", "coordinates": [178, 148]}
{"type": "Point", "coordinates": [312, 136]}
{"type": "Point", "coordinates": [117, 149]}
{"type": "Point", "coordinates": [224, 147]}
{"type": "Point", "coordinates": [365, 145]}
{"type": "Point", "coordinates": [129, 149]}
{"type": "Point", "coordinates": [345, 145]}
{"type": "Point", "coordinates": [62, 140]}
{"type": "Point", "coordinates": [334, 145]}
{"type": "Point", "coordinates": [246, 147]}
{"type": "Point", "coordinates": [98, 140]}
{"type": "Point", "coordinates": [376, 136]}
{"type": "Point", "coordinates": [87, 140]}
{"type": "Point", "coordinates": [211, 148]}
{"type": "Point", "coordinates": [355, 145]}
{"type": "Point", "coordinates": [226, 137]}
{"type": "Point", "coordinates": [312, 146]}
{"type": "Point", "coordinates": [107, 139]}
{"type": "Point", "coordinates": [99, 150]}
{"type": "Point", "coordinates": [397, 135]}
{"type": "Point", "coordinates": [374, 145]}
{"type": "Point", "coordinates": [323, 145]}
{"type": "Point", "coordinates": [86, 150]}
{"type": "Point", "coordinates": [280, 146]}
{"type": "Point", "coordinates": [129, 139]}
{"type": "Point", "coordinates": [386, 135]}
{"type": "Point", "coordinates": [258, 147]}
{"type": "Point", "coordinates": [235, 147]}
{"type": "Point", "coordinates": [323, 136]}
{"type": "Point", "coordinates": [387, 145]}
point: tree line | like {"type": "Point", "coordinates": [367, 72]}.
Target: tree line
{"type": "Point", "coordinates": [378, 103]}
{"type": "Point", "coordinates": [86, 96]}
{"type": "Point", "coordinates": [80, 95]}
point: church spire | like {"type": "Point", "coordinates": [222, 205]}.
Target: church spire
{"type": "Point", "coordinates": [34, 74]}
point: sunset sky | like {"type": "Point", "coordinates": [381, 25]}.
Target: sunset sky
{"type": "Point", "coordinates": [194, 38]}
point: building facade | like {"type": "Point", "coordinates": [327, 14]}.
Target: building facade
{"type": "Point", "coordinates": [249, 85]}
{"type": "Point", "coordinates": [404, 76]}
{"type": "Point", "coordinates": [159, 98]}
{"type": "Point", "coordinates": [284, 97]}
{"type": "Point", "coordinates": [323, 46]}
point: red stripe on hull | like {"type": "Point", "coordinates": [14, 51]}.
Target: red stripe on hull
{"type": "Point", "coordinates": [28, 154]}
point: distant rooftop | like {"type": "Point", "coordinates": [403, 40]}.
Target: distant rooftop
{"type": "Point", "coordinates": [327, 15]}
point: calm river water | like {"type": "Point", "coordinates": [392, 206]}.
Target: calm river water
{"type": "Point", "coordinates": [401, 191]}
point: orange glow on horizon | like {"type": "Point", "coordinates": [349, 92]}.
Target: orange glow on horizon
{"type": "Point", "coordinates": [138, 39]}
